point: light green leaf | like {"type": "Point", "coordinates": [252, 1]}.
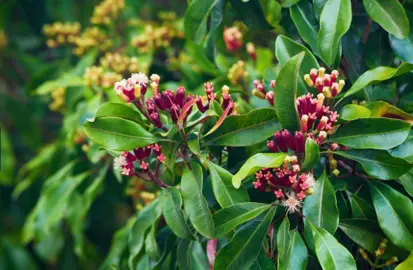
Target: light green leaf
{"type": "Point", "coordinates": [7, 160]}
{"type": "Point", "coordinates": [286, 93]}
{"type": "Point", "coordinates": [390, 15]}
{"type": "Point", "coordinates": [230, 217]}
{"type": "Point", "coordinates": [246, 129]}
{"type": "Point", "coordinates": [406, 264]}
{"type": "Point", "coordinates": [403, 48]}
{"type": "Point", "coordinates": [289, 3]}
{"type": "Point", "coordinates": [352, 112]}
{"type": "Point", "coordinates": [312, 154]}
{"type": "Point", "coordinates": [318, 7]}
{"type": "Point", "coordinates": [379, 164]}
{"type": "Point", "coordinates": [372, 133]}
{"type": "Point", "coordinates": [256, 163]}
{"type": "Point", "coordinates": [283, 242]}
{"type": "Point", "coordinates": [195, 203]}
{"type": "Point", "coordinates": [335, 21]}
{"type": "Point", "coordinates": [384, 109]}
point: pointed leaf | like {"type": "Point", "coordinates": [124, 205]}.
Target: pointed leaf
{"type": "Point", "coordinates": [195, 20]}
{"type": "Point", "coordinates": [384, 109]}
{"type": "Point", "coordinates": [352, 112]}
{"type": "Point", "coordinates": [407, 181]}
{"type": "Point", "coordinates": [361, 209]}
{"type": "Point", "coordinates": [312, 154]}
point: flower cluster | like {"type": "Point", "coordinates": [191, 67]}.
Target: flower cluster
{"type": "Point", "coordinates": [237, 72]}
{"type": "Point", "coordinates": [107, 11]}
{"type": "Point", "coordinates": [233, 38]}
{"type": "Point", "coordinates": [260, 91]}
{"type": "Point", "coordinates": [96, 75]}
{"type": "Point", "coordinates": [203, 102]}
{"type": "Point", "coordinates": [287, 183]}
{"type": "Point", "coordinates": [125, 162]}
{"type": "Point", "coordinates": [120, 63]}
{"type": "Point", "coordinates": [324, 83]}
{"type": "Point", "coordinates": [58, 97]}
{"type": "Point", "coordinates": [60, 33]}
{"type": "Point", "coordinates": [92, 37]}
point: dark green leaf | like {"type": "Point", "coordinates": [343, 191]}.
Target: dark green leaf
{"type": "Point", "coordinates": [228, 218]}
{"type": "Point", "coordinates": [195, 20]}
{"type": "Point", "coordinates": [256, 163]}
{"type": "Point", "coordinates": [352, 112]}
{"type": "Point", "coordinates": [286, 92]}
{"type": "Point", "coordinates": [195, 204]}
{"type": "Point", "coordinates": [360, 208]}
{"type": "Point", "coordinates": [373, 133]}
{"type": "Point", "coordinates": [251, 13]}
{"type": "Point", "coordinates": [312, 154]}
{"type": "Point", "coordinates": [379, 164]}
{"type": "Point", "coordinates": [404, 151]}
{"type": "Point", "coordinates": [407, 181]}
{"type": "Point", "coordinates": [246, 129]}
{"type": "Point", "coordinates": [318, 6]}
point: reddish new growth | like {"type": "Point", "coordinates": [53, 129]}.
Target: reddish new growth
{"type": "Point", "coordinates": [125, 162]}
{"type": "Point", "coordinates": [233, 38]}
{"type": "Point", "coordinates": [287, 183]}
{"type": "Point", "coordinates": [203, 103]}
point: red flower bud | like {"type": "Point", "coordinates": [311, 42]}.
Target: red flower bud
{"type": "Point", "coordinates": [180, 96]}
{"type": "Point", "coordinates": [271, 145]}
{"type": "Point", "coordinates": [156, 119]}
{"type": "Point", "coordinates": [174, 110]}
{"type": "Point", "coordinates": [288, 138]}
{"type": "Point", "coordinates": [169, 96]}
{"type": "Point", "coordinates": [200, 104]}
{"type": "Point", "coordinates": [270, 97]}
{"type": "Point", "coordinates": [160, 102]}
{"type": "Point", "coordinates": [280, 142]}
{"type": "Point", "coordinates": [299, 142]}
{"type": "Point", "coordinates": [150, 105]}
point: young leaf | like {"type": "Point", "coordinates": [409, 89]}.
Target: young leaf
{"type": "Point", "coordinates": [242, 251]}
{"type": "Point", "coordinates": [395, 214]}
{"type": "Point", "coordinates": [312, 154]}
{"type": "Point", "coordinates": [406, 264]}
{"type": "Point", "coordinates": [330, 253]}
{"type": "Point", "coordinates": [118, 134]}
{"type": "Point", "coordinates": [335, 21]}
{"type": "Point", "coordinates": [195, 203]}
{"type": "Point", "coordinates": [246, 129]}
{"type": "Point", "coordinates": [352, 112]}
{"type": "Point", "coordinates": [377, 75]}
{"type": "Point", "coordinates": [390, 15]}
{"type": "Point", "coordinates": [228, 218]}
{"type": "Point", "coordinates": [256, 163]}
{"type": "Point", "coordinates": [379, 164]}
{"type": "Point", "coordinates": [372, 133]}
{"type": "Point", "coordinates": [225, 193]}
{"type": "Point", "coordinates": [286, 93]}
{"type": "Point", "coordinates": [384, 109]}
{"type": "Point", "coordinates": [303, 17]}
{"type": "Point", "coordinates": [195, 20]}
{"type": "Point", "coordinates": [174, 215]}
{"type": "Point", "coordinates": [285, 49]}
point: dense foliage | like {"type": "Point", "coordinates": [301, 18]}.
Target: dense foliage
{"type": "Point", "coordinates": [206, 134]}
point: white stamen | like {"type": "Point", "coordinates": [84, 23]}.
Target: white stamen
{"type": "Point", "coordinates": [291, 203]}
{"type": "Point", "coordinates": [138, 78]}
{"type": "Point", "coordinates": [119, 162]}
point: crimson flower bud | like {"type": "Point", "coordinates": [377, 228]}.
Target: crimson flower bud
{"type": "Point", "coordinates": [174, 110]}
{"type": "Point", "coordinates": [260, 88]}
{"type": "Point", "coordinates": [169, 96]}
{"type": "Point", "coordinates": [270, 97]}
{"type": "Point", "coordinates": [272, 84]}
{"type": "Point", "coordinates": [334, 146]}
{"type": "Point", "coordinates": [280, 142]}
{"type": "Point", "coordinates": [150, 105]}
{"type": "Point", "coordinates": [334, 76]}
{"type": "Point", "coordinates": [279, 194]}
{"type": "Point", "coordinates": [142, 153]}
{"type": "Point", "coordinates": [256, 83]}
{"type": "Point", "coordinates": [180, 96]}
{"type": "Point", "coordinates": [322, 122]}
{"type": "Point", "coordinates": [304, 123]}
{"type": "Point", "coordinates": [327, 80]}
{"type": "Point", "coordinates": [271, 145]}
{"type": "Point", "coordinates": [320, 102]}
{"type": "Point", "coordinates": [321, 137]}
{"type": "Point", "coordinates": [319, 84]}
{"type": "Point", "coordinates": [314, 74]}
{"type": "Point", "coordinates": [160, 102]}
{"type": "Point", "coordinates": [200, 104]}
{"type": "Point", "coordinates": [144, 87]}
{"type": "Point", "coordinates": [311, 119]}
{"type": "Point", "coordinates": [301, 195]}
{"type": "Point", "coordinates": [156, 119]}
{"type": "Point", "coordinates": [288, 138]}
{"type": "Point", "coordinates": [299, 142]}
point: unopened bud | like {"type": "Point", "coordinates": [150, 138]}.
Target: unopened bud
{"type": "Point", "coordinates": [308, 80]}
{"type": "Point", "coordinates": [321, 72]}
{"type": "Point", "coordinates": [322, 122]}
{"type": "Point", "coordinates": [137, 90]}
{"type": "Point", "coordinates": [364, 254]}
{"type": "Point", "coordinates": [314, 74]}
{"type": "Point", "coordinates": [334, 89]}
{"type": "Point", "coordinates": [327, 80]}
{"type": "Point", "coordinates": [155, 78]}
{"type": "Point", "coordinates": [326, 92]}
{"type": "Point", "coordinates": [272, 84]}
{"type": "Point", "coordinates": [271, 145]}
{"type": "Point", "coordinates": [309, 191]}
{"type": "Point", "coordinates": [391, 261]}
{"type": "Point", "coordinates": [334, 76]}
{"type": "Point", "coordinates": [258, 94]}
{"type": "Point", "coordinates": [304, 123]}
{"type": "Point", "coordinates": [341, 84]}
{"type": "Point", "coordinates": [270, 97]}
{"type": "Point", "coordinates": [336, 172]}
{"type": "Point", "coordinates": [319, 84]}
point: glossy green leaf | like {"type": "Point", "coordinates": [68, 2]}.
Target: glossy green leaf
{"type": "Point", "coordinates": [379, 164]}
{"type": "Point", "coordinates": [151, 246]}
{"type": "Point", "coordinates": [174, 215]}
{"type": "Point", "coordinates": [195, 203]}
{"type": "Point", "coordinates": [297, 253]}
{"type": "Point", "coordinates": [318, 6]}
{"type": "Point", "coordinates": [376, 76]}
{"type": "Point", "coordinates": [403, 48]}
{"type": "Point", "coordinates": [303, 17]}
{"type": "Point", "coordinates": [283, 242]}
{"type": "Point", "coordinates": [407, 181]}
{"type": "Point", "coordinates": [242, 251]}
{"type": "Point", "coordinates": [225, 193]}
{"type": "Point", "coordinates": [361, 209]}
{"type": "Point", "coordinates": [404, 150]}
{"type": "Point", "coordinates": [263, 262]}
{"type": "Point", "coordinates": [312, 154]}
{"type": "Point", "coordinates": [395, 214]}
{"type": "Point", "coordinates": [246, 129]}
{"type": "Point", "coordinates": [146, 217]}
{"type": "Point", "coordinates": [190, 256]}
{"type": "Point", "coordinates": [195, 20]}
{"type": "Point", "coordinates": [289, 3]}
{"type": "Point", "coordinates": [251, 13]}
{"type": "Point", "coordinates": [390, 15]}
{"type": "Point", "coordinates": [111, 109]}
{"type": "Point", "coordinates": [330, 253]}
{"type": "Point", "coordinates": [198, 52]}
{"type": "Point", "coordinates": [118, 134]}
{"type": "Point", "coordinates": [286, 92]}
{"type": "Point", "coordinates": [352, 112]}
{"type": "Point", "coordinates": [272, 11]}
{"type": "Point", "coordinates": [372, 133]}
{"type": "Point", "coordinates": [384, 109]}
{"type": "Point", "coordinates": [230, 217]}
{"type": "Point", "coordinates": [335, 20]}
{"type": "Point", "coordinates": [256, 163]}
{"type": "Point", "coordinates": [285, 49]}
{"type": "Point", "coordinates": [406, 264]}
{"type": "Point", "coordinates": [377, 51]}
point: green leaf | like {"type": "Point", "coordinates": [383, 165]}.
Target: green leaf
{"type": "Point", "coordinates": [395, 214]}
{"type": "Point", "coordinates": [352, 112]}
{"type": "Point", "coordinates": [376, 76]}
{"type": "Point", "coordinates": [407, 181]}
{"type": "Point", "coordinates": [373, 133]}
{"type": "Point", "coordinates": [272, 12]}
{"type": "Point", "coordinates": [403, 48]}
{"type": "Point", "coordinates": [174, 215]}
{"type": "Point", "coordinates": [390, 15]}
{"type": "Point", "coordinates": [242, 251]}
{"type": "Point", "coordinates": [246, 129]}
{"type": "Point", "coordinates": [146, 217]}
{"type": "Point", "coordinates": [225, 193]}
{"type": "Point", "coordinates": [65, 81]}
{"type": "Point", "coordinates": [7, 159]}
{"type": "Point", "coordinates": [285, 49]}
{"type": "Point", "coordinates": [118, 134]}
{"type": "Point", "coordinates": [263, 262]}
{"type": "Point", "coordinates": [286, 93]}
{"type": "Point", "coordinates": [151, 246]}
{"type": "Point", "coordinates": [86, 61]}
{"type": "Point", "coordinates": [379, 164]}
{"type": "Point", "coordinates": [283, 243]}
{"type": "Point", "coordinates": [335, 21]}
{"type": "Point", "coordinates": [404, 151]}
{"type": "Point", "coordinates": [297, 253]}
{"type": "Point", "coordinates": [230, 217]}
{"type": "Point", "coordinates": [384, 109]}
{"type": "Point", "coordinates": [190, 256]}
{"type": "Point", "coordinates": [289, 3]}
{"type": "Point", "coordinates": [195, 204]}
{"type": "Point", "coordinates": [195, 20]}
{"type": "Point", "coordinates": [198, 53]}
{"type": "Point", "coordinates": [406, 264]}
{"type": "Point", "coordinates": [312, 154]}
{"type": "Point", "coordinates": [361, 209]}
{"type": "Point", "coordinates": [303, 17]}
{"type": "Point", "coordinates": [251, 14]}
{"type": "Point", "coordinates": [318, 6]}
{"type": "Point", "coordinates": [256, 163]}
{"type": "Point", "coordinates": [112, 109]}
{"type": "Point", "coordinates": [330, 253]}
